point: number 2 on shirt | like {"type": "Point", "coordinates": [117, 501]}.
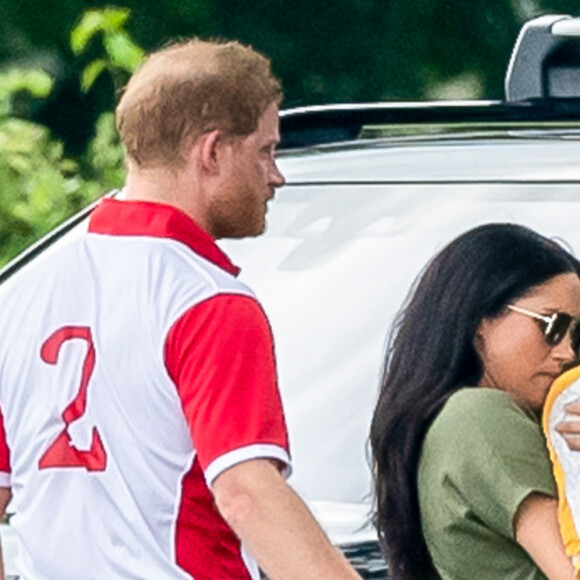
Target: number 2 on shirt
{"type": "Point", "coordinates": [62, 452]}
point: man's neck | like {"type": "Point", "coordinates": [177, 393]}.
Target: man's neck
{"type": "Point", "coordinates": [167, 186]}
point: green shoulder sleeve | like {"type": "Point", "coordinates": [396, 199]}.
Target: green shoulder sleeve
{"type": "Point", "coordinates": [489, 453]}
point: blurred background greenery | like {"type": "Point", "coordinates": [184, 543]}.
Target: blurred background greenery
{"type": "Point", "coordinates": [63, 63]}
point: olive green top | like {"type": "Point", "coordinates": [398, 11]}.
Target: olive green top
{"type": "Point", "coordinates": [482, 456]}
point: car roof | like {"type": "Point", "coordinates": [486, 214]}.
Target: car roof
{"type": "Point", "coordinates": [526, 156]}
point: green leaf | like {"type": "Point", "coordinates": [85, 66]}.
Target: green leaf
{"type": "Point", "coordinates": [91, 72]}
{"type": "Point", "coordinates": [35, 81]}
{"type": "Point", "coordinates": [68, 166]}
{"type": "Point", "coordinates": [20, 136]}
{"type": "Point", "coordinates": [114, 19]}
{"type": "Point", "coordinates": [90, 23]}
{"type": "Point", "coordinates": [123, 52]}
{"type": "Point", "coordinates": [108, 20]}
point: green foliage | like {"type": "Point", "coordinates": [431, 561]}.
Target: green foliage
{"type": "Point", "coordinates": [122, 54]}
{"type": "Point", "coordinates": [353, 50]}
{"type": "Point", "coordinates": [41, 187]}
{"type": "Point", "coordinates": [105, 155]}
{"type": "Point", "coordinates": [36, 82]}
{"type": "Point", "coordinates": [108, 20]}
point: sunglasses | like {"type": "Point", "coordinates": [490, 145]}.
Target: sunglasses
{"type": "Point", "coordinates": [555, 326]}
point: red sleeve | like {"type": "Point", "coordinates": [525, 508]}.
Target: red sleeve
{"type": "Point", "coordinates": [4, 455]}
{"type": "Point", "coordinates": [220, 355]}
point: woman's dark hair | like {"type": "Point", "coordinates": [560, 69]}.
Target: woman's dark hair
{"type": "Point", "coordinates": [431, 355]}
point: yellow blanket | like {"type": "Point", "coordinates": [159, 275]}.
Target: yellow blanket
{"type": "Point", "coordinates": [565, 462]}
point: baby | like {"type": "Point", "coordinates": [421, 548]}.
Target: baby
{"type": "Point", "coordinates": [565, 462]}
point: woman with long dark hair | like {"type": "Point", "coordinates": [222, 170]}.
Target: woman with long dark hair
{"type": "Point", "coordinates": [463, 482]}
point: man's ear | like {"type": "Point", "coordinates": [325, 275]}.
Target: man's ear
{"type": "Point", "coordinates": [210, 147]}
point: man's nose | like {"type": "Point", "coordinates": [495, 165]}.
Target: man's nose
{"type": "Point", "coordinates": [276, 177]}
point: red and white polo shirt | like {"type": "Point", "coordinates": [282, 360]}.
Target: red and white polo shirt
{"type": "Point", "coordinates": [134, 369]}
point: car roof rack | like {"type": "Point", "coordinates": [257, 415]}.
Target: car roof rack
{"type": "Point", "coordinates": [542, 85]}
{"type": "Point", "coordinates": [545, 62]}
{"type": "Point", "coordinates": [318, 125]}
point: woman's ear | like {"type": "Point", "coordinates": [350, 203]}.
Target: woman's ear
{"type": "Point", "coordinates": [479, 338]}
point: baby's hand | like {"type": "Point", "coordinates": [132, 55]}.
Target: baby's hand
{"type": "Point", "coordinates": [570, 429]}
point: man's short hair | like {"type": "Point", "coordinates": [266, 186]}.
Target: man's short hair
{"type": "Point", "coordinates": [188, 89]}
